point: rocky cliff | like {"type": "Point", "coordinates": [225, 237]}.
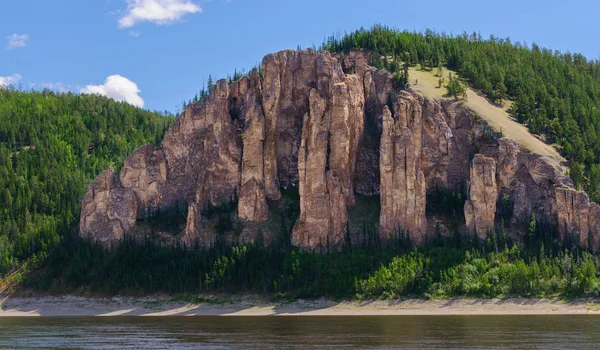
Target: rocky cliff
{"type": "Point", "coordinates": [335, 130]}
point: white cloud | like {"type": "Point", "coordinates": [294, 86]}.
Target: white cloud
{"type": "Point", "coordinates": [119, 88]}
{"type": "Point", "coordinates": [157, 11]}
{"type": "Point", "coordinates": [10, 80]}
{"type": "Point", "coordinates": [134, 34]}
{"type": "Point", "coordinates": [17, 40]}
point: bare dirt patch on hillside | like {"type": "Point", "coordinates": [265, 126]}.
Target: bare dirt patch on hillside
{"type": "Point", "coordinates": [497, 117]}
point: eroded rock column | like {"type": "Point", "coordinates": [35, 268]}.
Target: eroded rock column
{"type": "Point", "coordinates": [145, 172]}
{"type": "Point", "coordinates": [347, 126]}
{"type": "Point", "coordinates": [216, 156]}
{"type": "Point", "coordinates": [480, 207]}
{"type": "Point", "coordinates": [403, 186]}
{"type": "Point", "coordinates": [313, 229]}
{"type": "Point", "coordinates": [252, 205]}
{"type": "Point", "coordinates": [326, 163]}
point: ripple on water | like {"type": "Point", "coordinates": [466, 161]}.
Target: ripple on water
{"type": "Point", "coordinates": [335, 332]}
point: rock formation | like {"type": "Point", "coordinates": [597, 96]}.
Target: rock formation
{"type": "Point", "coordinates": [577, 216]}
{"type": "Point", "coordinates": [480, 208]}
{"type": "Point", "coordinates": [402, 180]}
{"type": "Point", "coordinates": [252, 204]}
{"type": "Point", "coordinates": [332, 128]}
{"type": "Point", "coordinates": [108, 209]}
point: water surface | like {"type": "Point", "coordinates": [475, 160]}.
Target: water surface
{"type": "Point", "coordinates": [301, 332]}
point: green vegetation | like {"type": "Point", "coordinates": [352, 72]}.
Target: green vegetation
{"type": "Point", "coordinates": [446, 265]}
{"type": "Point", "coordinates": [456, 88]}
{"type": "Point", "coordinates": [51, 146]}
{"type": "Point", "coordinates": [443, 267]}
{"type": "Point", "coordinates": [485, 274]}
{"type": "Point", "coordinates": [555, 94]}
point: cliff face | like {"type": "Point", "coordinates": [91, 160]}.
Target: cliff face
{"type": "Point", "coordinates": [332, 128]}
{"type": "Point", "coordinates": [480, 208]}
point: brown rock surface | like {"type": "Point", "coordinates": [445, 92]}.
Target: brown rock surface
{"type": "Point", "coordinates": [480, 207]}
{"type": "Point", "coordinates": [145, 172]}
{"type": "Point", "coordinates": [438, 141]}
{"type": "Point", "coordinates": [326, 163]}
{"type": "Point", "coordinates": [402, 181]}
{"type": "Point", "coordinates": [346, 130]}
{"type": "Point", "coordinates": [333, 127]}
{"type": "Point", "coordinates": [577, 217]}
{"type": "Point", "coordinates": [108, 211]}
{"type": "Point", "coordinates": [508, 162]}
{"type": "Point", "coordinates": [313, 229]}
{"type": "Point", "coordinates": [252, 205]}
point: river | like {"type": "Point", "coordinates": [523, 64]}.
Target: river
{"type": "Point", "coordinates": [301, 332]}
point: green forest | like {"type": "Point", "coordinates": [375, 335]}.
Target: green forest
{"type": "Point", "coordinates": [557, 95]}
{"type": "Point", "coordinates": [443, 267]}
{"type": "Point", "coordinates": [52, 145]}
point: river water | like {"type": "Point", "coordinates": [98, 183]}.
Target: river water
{"type": "Point", "coordinates": [302, 332]}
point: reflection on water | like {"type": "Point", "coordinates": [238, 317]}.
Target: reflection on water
{"type": "Point", "coordinates": [377, 332]}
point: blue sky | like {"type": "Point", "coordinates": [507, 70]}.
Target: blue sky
{"type": "Point", "coordinates": [157, 53]}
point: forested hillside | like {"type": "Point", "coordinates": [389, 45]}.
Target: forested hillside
{"type": "Point", "coordinates": [51, 146]}
{"type": "Point", "coordinates": [555, 94]}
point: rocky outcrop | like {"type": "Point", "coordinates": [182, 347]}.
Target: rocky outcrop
{"type": "Point", "coordinates": [508, 162]}
{"type": "Point", "coordinates": [334, 129]}
{"type": "Point", "coordinates": [252, 205]}
{"type": "Point", "coordinates": [108, 210]}
{"type": "Point", "coordinates": [480, 208]}
{"type": "Point", "coordinates": [327, 157]}
{"type": "Point", "coordinates": [321, 200]}
{"type": "Point", "coordinates": [577, 217]}
{"type": "Point", "coordinates": [402, 180]}
{"type": "Point", "coordinates": [289, 76]}
{"type": "Point", "coordinates": [198, 161]}
{"type": "Point", "coordinates": [377, 85]}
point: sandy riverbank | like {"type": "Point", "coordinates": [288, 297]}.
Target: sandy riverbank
{"type": "Point", "coordinates": [163, 306]}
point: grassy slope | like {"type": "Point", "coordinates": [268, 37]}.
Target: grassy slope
{"type": "Point", "coordinates": [497, 117]}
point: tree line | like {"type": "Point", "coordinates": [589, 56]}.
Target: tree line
{"type": "Point", "coordinates": [444, 266]}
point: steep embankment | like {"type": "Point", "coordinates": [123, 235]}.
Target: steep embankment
{"type": "Point", "coordinates": [335, 128]}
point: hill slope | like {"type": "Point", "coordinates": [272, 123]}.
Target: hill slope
{"type": "Point", "coordinates": [497, 116]}
{"type": "Point", "coordinates": [555, 94]}
{"type": "Point", "coordinates": [51, 146]}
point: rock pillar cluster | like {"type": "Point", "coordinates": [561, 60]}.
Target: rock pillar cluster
{"type": "Point", "coordinates": [334, 129]}
{"type": "Point", "coordinates": [403, 187]}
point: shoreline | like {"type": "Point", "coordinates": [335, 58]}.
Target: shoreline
{"type": "Point", "coordinates": [69, 305]}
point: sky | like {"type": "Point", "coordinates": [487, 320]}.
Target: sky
{"type": "Point", "coordinates": [158, 53]}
